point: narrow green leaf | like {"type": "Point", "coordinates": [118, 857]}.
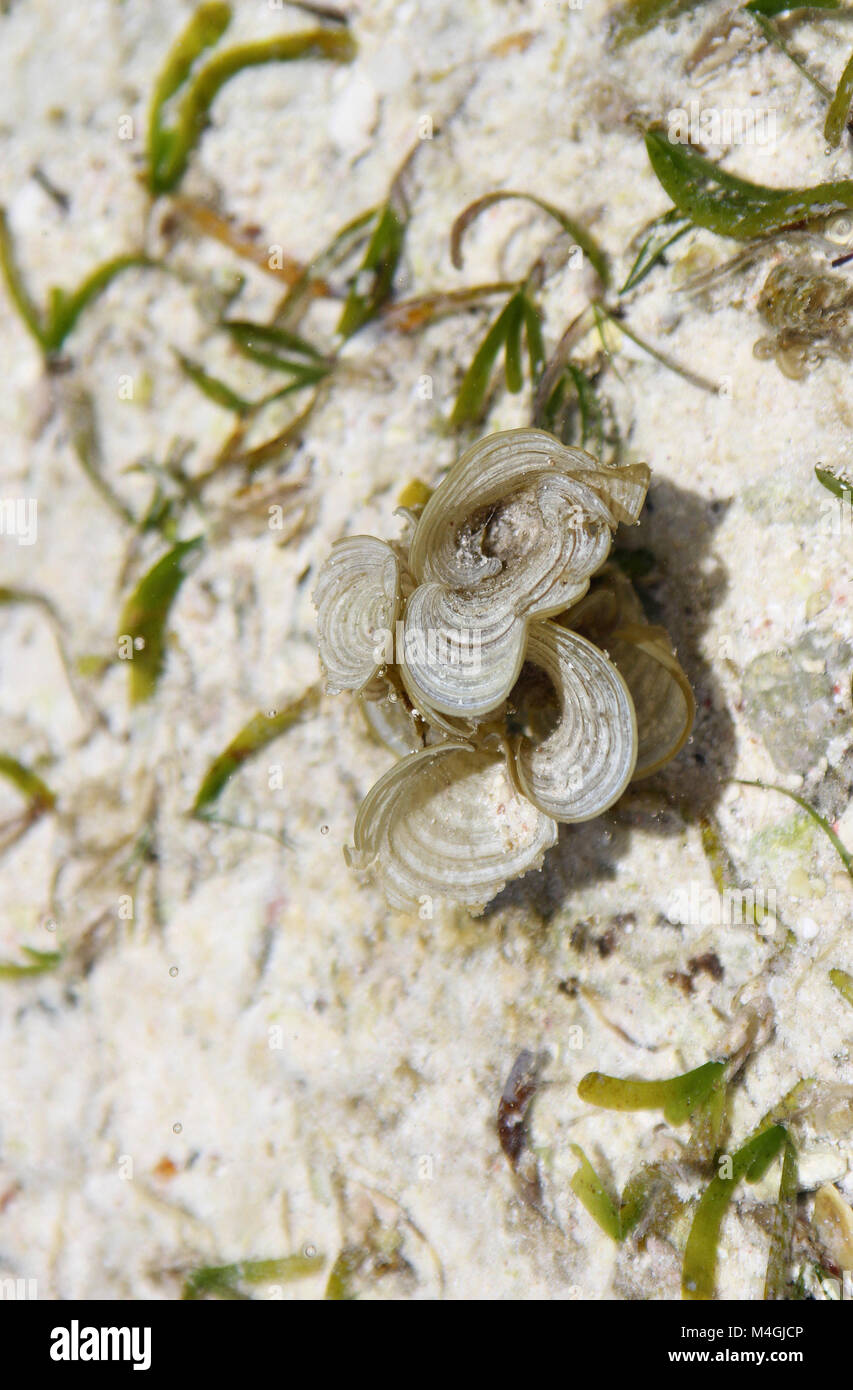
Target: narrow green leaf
{"type": "Point", "coordinates": [144, 618]}
{"type": "Point", "coordinates": [305, 363]}
{"type": "Point", "coordinates": [249, 335]}
{"type": "Point", "coordinates": [331, 13]}
{"type": "Point", "coordinates": [590, 1191]}
{"type": "Point", "coordinates": [339, 1288]}
{"type": "Point", "coordinates": [698, 1273]}
{"type": "Point", "coordinates": [772, 34]}
{"type": "Point", "coordinates": [223, 1281]}
{"type": "Point", "coordinates": [211, 386]}
{"type": "Point", "coordinates": [64, 308]}
{"type": "Point", "coordinates": [260, 731]}
{"type": "Point", "coordinates": [279, 1271]}
{"type": "Point", "coordinates": [85, 438]}
{"type": "Point", "coordinates": [678, 1097]}
{"type": "Point", "coordinates": [779, 1257]}
{"type": "Point", "coordinates": [637, 17]}
{"type": "Point", "coordinates": [720, 862]}
{"type": "Point", "coordinates": [160, 515]}
{"type": "Point", "coordinates": [774, 7]}
{"type": "Point", "coordinates": [271, 450]}
{"type": "Point", "coordinates": [170, 150]}
{"type": "Point", "coordinates": [573, 394]}
{"type": "Point", "coordinates": [662, 233]}
{"type": "Point", "coordinates": [11, 595]}
{"type": "Point", "coordinates": [579, 235]}
{"type": "Point", "coordinates": [303, 375]}
{"type": "Point", "coordinates": [551, 408]}
{"type": "Point", "coordinates": [410, 315]}
{"type": "Point", "coordinates": [513, 370]}
{"type": "Point", "coordinates": [28, 783]}
{"type": "Point", "coordinates": [795, 1103]}
{"type": "Point", "coordinates": [731, 206]}
{"type": "Point", "coordinates": [475, 383]}
{"type": "Point", "coordinates": [38, 964]}
{"type": "Point", "coordinates": [692, 1091]}
{"type": "Point", "coordinates": [374, 279]}
{"type": "Point", "coordinates": [15, 285]}
{"type": "Point", "coordinates": [708, 1118]}
{"type": "Point", "coordinates": [533, 338]}
{"type": "Point", "coordinates": [592, 417]}
{"type": "Point", "coordinates": [843, 854]}
{"type": "Point", "coordinates": [765, 1147]}
{"type": "Point", "coordinates": [346, 243]}
{"type": "Point", "coordinates": [601, 313]}
{"type": "Point", "coordinates": [205, 29]}
{"type": "Point", "coordinates": [843, 983]}
{"type": "Point", "coordinates": [300, 377]}
{"type": "Point", "coordinates": [43, 604]}
{"type": "Point", "coordinates": [839, 487]}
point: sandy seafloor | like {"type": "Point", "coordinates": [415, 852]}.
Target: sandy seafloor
{"type": "Point", "coordinates": [150, 1120]}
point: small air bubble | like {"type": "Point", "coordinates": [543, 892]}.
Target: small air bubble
{"type": "Point", "coordinates": [324, 830]}
{"type": "Point", "coordinates": [309, 1251]}
{"type": "Point", "coordinates": [173, 970]}
{"type": "Point", "coordinates": [50, 924]}
{"type": "Point", "coordinates": [176, 1129]}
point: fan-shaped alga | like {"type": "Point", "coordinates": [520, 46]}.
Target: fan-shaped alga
{"type": "Point", "coordinates": [494, 649]}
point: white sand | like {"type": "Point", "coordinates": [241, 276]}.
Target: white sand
{"type": "Point", "coordinates": [396, 1035]}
